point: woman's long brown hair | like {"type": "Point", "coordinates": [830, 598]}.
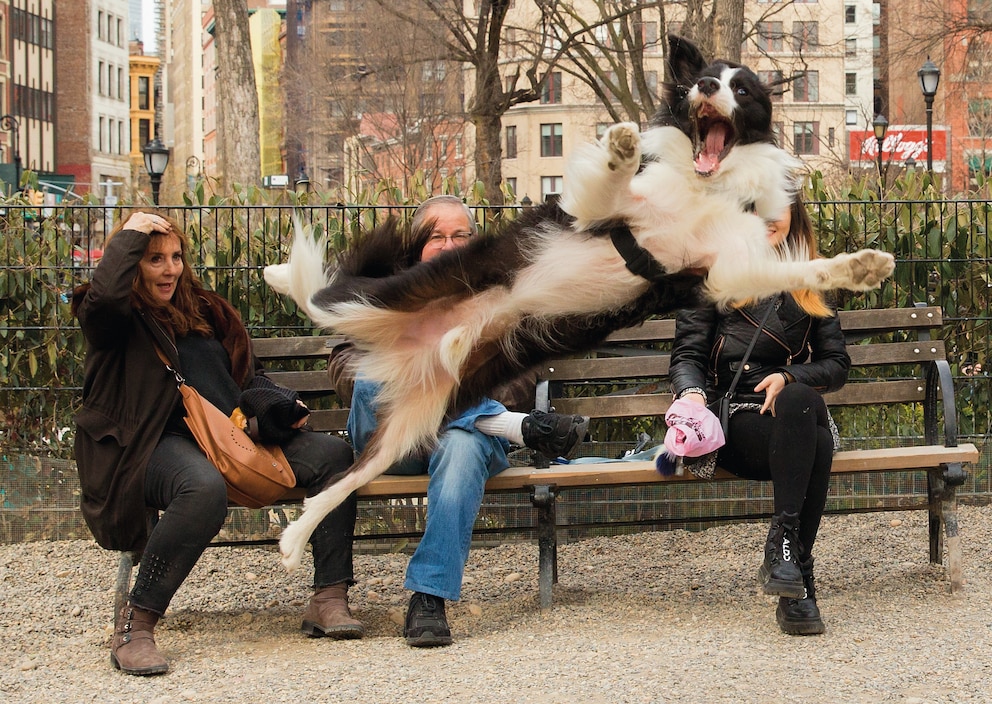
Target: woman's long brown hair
{"type": "Point", "coordinates": [801, 240]}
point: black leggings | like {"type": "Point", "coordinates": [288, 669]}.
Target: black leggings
{"type": "Point", "coordinates": [182, 483]}
{"type": "Point", "coordinates": [793, 449]}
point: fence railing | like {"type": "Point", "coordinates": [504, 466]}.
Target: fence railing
{"type": "Point", "coordinates": [942, 250]}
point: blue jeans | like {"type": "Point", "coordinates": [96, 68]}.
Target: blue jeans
{"type": "Point", "coordinates": [459, 466]}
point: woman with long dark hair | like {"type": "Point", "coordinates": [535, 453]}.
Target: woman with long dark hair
{"type": "Point", "coordinates": [135, 454]}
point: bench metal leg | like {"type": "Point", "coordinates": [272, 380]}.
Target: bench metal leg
{"type": "Point", "coordinates": [944, 523]}
{"type": "Point", "coordinates": [123, 586]}
{"type": "Point", "coordinates": [543, 499]}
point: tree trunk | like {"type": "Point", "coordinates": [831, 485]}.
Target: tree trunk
{"type": "Point", "coordinates": [729, 28]}
{"type": "Point", "coordinates": [237, 98]}
{"type": "Point", "coordinates": [487, 109]}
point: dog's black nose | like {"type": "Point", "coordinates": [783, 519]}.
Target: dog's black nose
{"type": "Point", "coordinates": [708, 85]}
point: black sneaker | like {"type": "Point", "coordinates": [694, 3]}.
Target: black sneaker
{"type": "Point", "coordinates": [553, 435]}
{"type": "Point", "coordinates": [426, 625]}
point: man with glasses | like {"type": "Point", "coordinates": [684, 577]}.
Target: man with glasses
{"type": "Point", "coordinates": [470, 449]}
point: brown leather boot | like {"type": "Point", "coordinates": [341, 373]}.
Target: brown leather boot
{"type": "Point", "coordinates": [328, 614]}
{"type": "Point", "coordinates": [133, 649]}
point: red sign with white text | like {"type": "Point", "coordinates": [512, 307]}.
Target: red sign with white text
{"type": "Point", "coordinates": [901, 143]}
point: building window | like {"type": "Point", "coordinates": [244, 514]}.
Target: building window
{"type": "Point", "coordinates": [804, 137]}
{"type": "Point", "coordinates": [770, 36]}
{"type": "Point", "coordinates": [806, 87]}
{"type": "Point", "coordinates": [831, 134]}
{"type": "Point", "coordinates": [551, 88]}
{"type": "Point", "coordinates": [980, 118]}
{"type": "Point", "coordinates": [851, 117]}
{"type": "Point", "coordinates": [99, 78]}
{"type": "Point", "coordinates": [551, 141]}
{"type": "Point", "coordinates": [850, 47]}
{"type": "Point", "coordinates": [143, 103]}
{"type": "Point", "coordinates": [772, 79]}
{"type": "Point", "coordinates": [850, 14]}
{"type": "Point", "coordinates": [511, 186]}
{"type": "Point", "coordinates": [99, 24]}
{"type": "Point", "coordinates": [850, 84]}
{"type": "Point", "coordinates": [511, 141]}
{"type": "Point", "coordinates": [805, 36]}
{"type": "Point", "coordinates": [550, 187]}
{"type": "Point", "coordinates": [99, 144]}
{"type": "Point", "coordinates": [649, 35]}
{"type": "Point", "coordinates": [144, 132]}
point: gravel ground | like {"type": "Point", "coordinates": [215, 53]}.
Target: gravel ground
{"type": "Point", "coordinates": [654, 617]}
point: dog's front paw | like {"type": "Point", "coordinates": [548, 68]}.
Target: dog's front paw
{"type": "Point", "coordinates": [870, 266]}
{"type": "Point", "coordinates": [623, 142]}
{"type": "Point", "coordinates": [860, 271]}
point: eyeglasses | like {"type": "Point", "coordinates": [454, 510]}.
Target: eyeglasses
{"type": "Point", "coordinates": [457, 239]}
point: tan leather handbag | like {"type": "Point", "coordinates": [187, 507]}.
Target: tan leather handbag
{"type": "Point", "coordinates": [256, 475]}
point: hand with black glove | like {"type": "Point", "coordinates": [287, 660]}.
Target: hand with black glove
{"type": "Point", "coordinates": [274, 412]}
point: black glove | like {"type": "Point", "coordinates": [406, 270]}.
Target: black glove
{"type": "Point", "coordinates": [271, 410]}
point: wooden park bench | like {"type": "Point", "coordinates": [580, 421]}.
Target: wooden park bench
{"type": "Point", "coordinates": [895, 363]}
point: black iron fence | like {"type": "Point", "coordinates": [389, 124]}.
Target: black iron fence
{"type": "Point", "coordinates": [942, 250]}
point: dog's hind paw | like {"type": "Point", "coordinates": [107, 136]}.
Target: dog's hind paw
{"type": "Point", "coordinates": [623, 142]}
{"type": "Point", "coordinates": [291, 548]}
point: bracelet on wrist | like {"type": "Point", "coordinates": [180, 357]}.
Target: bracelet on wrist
{"type": "Point", "coordinates": [691, 390]}
{"type": "Point", "coordinates": [788, 379]}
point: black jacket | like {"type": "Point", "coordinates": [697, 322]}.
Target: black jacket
{"type": "Point", "coordinates": [709, 346]}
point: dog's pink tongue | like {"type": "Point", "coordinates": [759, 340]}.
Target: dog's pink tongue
{"type": "Point", "coordinates": [708, 160]}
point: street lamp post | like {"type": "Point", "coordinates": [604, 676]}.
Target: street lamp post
{"type": "Point", "coordinates": [156, 161]}
{"type": "Point", "coordinates": [929, 80]}
{"type": "Point", "coordinates": [879, 125]}
{"type": "Point", "coordinates": [10, 124]}
{"type": "Point", "coordinates": [192, 172]}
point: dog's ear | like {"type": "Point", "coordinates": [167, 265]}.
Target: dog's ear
{"type": "Point", "coordinates": [684, 59]}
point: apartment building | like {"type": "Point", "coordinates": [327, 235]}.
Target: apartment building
{"type": "Point", "coordinates": [94, 135]}
{"type": "Point", "coordinates": [30, 101]}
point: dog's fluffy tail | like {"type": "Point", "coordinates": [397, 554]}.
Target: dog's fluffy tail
{"type": "Point", "coordinates": [304, 273]}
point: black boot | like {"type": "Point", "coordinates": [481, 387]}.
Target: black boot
{"type": "Point", "coordinates": [801, 617]}
{"type": "Point", "coordinates": [780, 574]}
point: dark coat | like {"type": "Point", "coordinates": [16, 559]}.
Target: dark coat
{"type": "Point", "coordinates": [709, 346]}
{"type": "Point", "coordinates": [128, 395]}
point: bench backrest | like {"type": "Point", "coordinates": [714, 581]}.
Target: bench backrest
{"type": "Point", "coordinates": [628, 375]}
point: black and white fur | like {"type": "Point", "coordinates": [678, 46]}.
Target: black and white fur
{"type": "Point", "coordinates": [695, 190]}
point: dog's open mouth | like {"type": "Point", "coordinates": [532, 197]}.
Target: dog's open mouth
{"type": "Point", "coordinates": [714, 139]}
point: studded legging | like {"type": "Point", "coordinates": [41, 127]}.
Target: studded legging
{"type": "Point", "coordinates": [190, 493]}
{"type": "Point", "coordinates": [793, 450]}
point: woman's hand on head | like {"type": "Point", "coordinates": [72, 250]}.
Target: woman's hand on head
{"type": "Point", "coordinates": [772, 385]}
{"type": "Point", "coordinates": [147, 223]}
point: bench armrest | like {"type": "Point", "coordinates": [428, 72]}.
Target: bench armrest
{"type": "Point", "coordinates": [940, 389]}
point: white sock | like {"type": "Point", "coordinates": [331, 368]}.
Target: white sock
{"type": "Point", "coordinates": [507, 425]}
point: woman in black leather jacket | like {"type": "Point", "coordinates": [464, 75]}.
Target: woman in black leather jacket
{"type": "Point", "coordinates": [779, 429]}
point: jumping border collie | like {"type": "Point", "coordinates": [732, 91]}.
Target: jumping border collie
{"type": "Point", "coordinates": [641, 217]}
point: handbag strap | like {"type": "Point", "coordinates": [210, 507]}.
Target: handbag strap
{"type": "Point", "coordinates": [180, 380]}
{"type": "Point", "coordinates": [747, 354]}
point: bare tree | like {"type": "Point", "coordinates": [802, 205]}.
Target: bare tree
{"type": "Point", "coordinates": [237, 99]}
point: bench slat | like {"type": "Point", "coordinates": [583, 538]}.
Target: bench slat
{"type": "Point", "coordinates": [268, 348]}
{"type": "Point", "coordinates": [644, 472]}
